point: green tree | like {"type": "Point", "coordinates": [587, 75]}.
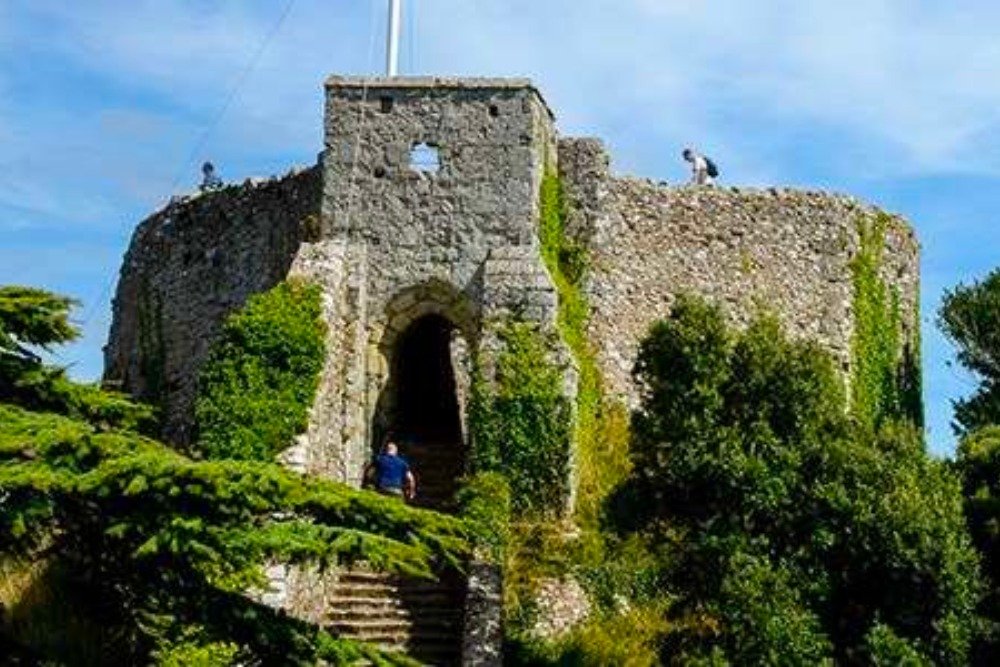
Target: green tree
{"type": "Point", "coordinates": [978, 462]}
{"type": "Point", "coordinates": [794, 536]}
{"type": "Point", "coordinates": [161, 548]}
{"type": "Point", "coordinates": [970, 318]}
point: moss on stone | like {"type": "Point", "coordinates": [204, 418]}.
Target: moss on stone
{"type": "Point", "coordinates": [601, 435]}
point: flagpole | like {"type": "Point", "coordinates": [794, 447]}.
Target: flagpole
{"type": "Point", "coordinates": [392, 39]}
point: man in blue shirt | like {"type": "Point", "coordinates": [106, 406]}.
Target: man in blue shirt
{"type": "Point", "coordinates": [392, 473]}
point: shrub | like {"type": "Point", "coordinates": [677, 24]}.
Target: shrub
{"type": "Point", "coordinates": [485, 504]}
{"type": "Point", "coordinates": [970, 318]}
{"type": "Point", "coordinates": [788, 526]}
{"type": "Point", "coordinates": [521, 421]}
{"type": "Point", "coordinates": [260, 379]}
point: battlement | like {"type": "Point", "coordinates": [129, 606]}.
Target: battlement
{"type": "Point", "coordinates": [422, 85]}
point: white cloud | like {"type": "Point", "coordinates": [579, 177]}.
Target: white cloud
{"type": "Point", "coordinates": [909, 87]}
{"type": "Point", "coordinates": [915, 77]}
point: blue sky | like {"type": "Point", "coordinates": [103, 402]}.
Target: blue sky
{"type": "Point", "coordinates": [107, 108]}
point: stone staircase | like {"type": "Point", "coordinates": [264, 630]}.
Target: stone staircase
{"type": "Point", "coordinates": [436, 468]}
{"type": "Point", "coordinates": [422, 618]}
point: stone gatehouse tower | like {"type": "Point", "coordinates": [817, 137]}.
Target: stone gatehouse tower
{"type": "Point", "coordinates": [428, 228]}
{"type": "Point", "coordinates": [420, 222]}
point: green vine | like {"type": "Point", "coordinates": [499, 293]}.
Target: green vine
{"type": "Point", "coordinates": [601, 425]}
{"type": "Point", "coordinates": [524, 428]}
{"type": "Point", "coordinates": [521, 420]}
{"type": "Point", "coordinates": [885, 382]}
{"type": "Point", "coordinates": [255, 390]}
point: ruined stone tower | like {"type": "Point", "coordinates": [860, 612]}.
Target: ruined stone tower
{"type": "Point", "coordinates": [421, 224]}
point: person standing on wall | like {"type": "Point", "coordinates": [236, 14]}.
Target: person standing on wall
{"type": "Point", "coordinates": [210, 180]}
{"type": "Point", "coordinates": [392, 473]}
{"type": "Point", "coordinates": [703, 170]}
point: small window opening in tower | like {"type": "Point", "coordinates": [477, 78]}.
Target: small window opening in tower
{"type": "Point", "coordinates": [425, 158]}
{"type": "Point", "coordinates": [385, 104]}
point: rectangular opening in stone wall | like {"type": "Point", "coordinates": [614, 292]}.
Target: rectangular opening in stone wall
{"type": "Point", "coordinates": [425, 158]}
{"type": "Point", "coordinates": [385, 104]}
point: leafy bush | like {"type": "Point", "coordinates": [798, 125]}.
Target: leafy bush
{"type": "Point", "coordinates": [260, 379]}
{"type": "Point", "coordinates": [628, 637]}
{"type": "Point", "coordinates": [970, 318]}
{"type": "Point", "coordinates": [788, 527]}
{"type": "Point", "coordinates": [886, 649]}
{"type": "Point", "coordinates": [189, 654]}
{"type": "Point", "coordinates": [485, 504]}
{"type": "Point", "coordinates": [978, 464]}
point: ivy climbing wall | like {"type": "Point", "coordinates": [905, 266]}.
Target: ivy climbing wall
{"type": "Point", "coordinates": [833, 269]}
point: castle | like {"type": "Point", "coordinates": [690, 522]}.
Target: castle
{"type": "Point", "coordinates": [421, 224]}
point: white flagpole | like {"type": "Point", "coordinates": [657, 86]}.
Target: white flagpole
{"type": "Point", "coordinates": [392, 39]}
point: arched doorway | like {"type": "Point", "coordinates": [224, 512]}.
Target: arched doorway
{"type": "Point", "coordinates": [425, 419]}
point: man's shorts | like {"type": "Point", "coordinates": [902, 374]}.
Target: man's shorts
{"type": "Point", "coordinates": [391, 491]}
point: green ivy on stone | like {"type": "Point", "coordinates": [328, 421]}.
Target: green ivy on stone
{"type": "Point", "coordinates": [885, 378]}
{"type": "Point", "coordinates": [521, 421]}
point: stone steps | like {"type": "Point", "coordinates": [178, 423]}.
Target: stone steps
{"type": "Point", "coordinates": [422, 618]}
{"type": "Point", "coordinates": [436, 466]}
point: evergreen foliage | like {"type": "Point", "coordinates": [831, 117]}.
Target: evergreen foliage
{"type": "Point", "coordinates": [164, 548]}
{"type": "Point", "coordinates": [970, 318]}
{"type": "Point", "coordinates": [256, 388]}
{"type": "Point", "coordinates": [789, 535]}
{"type": "Point", "coordinates": [33, 318]}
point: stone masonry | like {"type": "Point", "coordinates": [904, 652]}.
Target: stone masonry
{"type": "Point", "coordinates": [188, 266]}
{"type": "Point", "coordinates": [426, 202]}
{"type": "Point", "coordinates": [783, 251]}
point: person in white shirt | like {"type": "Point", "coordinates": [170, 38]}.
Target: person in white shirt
{"type": "Point", "coordinates": [703, 171]}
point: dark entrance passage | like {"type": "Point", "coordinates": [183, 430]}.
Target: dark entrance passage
{"type": "Point", "coordinates": [426, 419]}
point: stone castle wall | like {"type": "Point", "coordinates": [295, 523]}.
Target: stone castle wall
{"type": "Point", "coordinates": [187, 267]}
{"type": "Point", "coordinates": [784, 251]}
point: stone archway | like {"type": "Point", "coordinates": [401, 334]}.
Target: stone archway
{"type": "Point", "coordinates": [424, 386]}
{"type": "Point", "coordinates": [425, 419]}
